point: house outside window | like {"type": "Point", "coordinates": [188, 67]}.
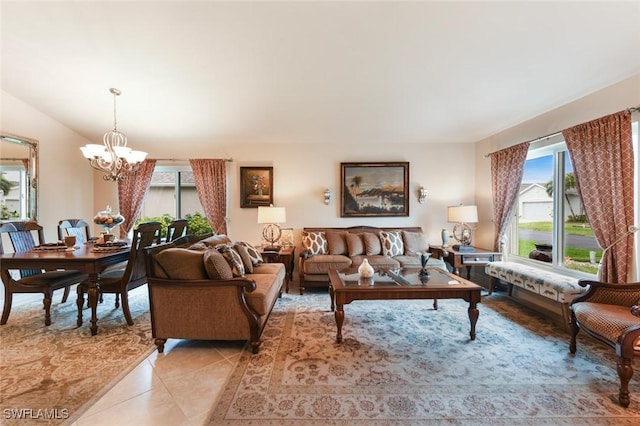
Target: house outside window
{"type": "Point", "coordinates": [172, 193]}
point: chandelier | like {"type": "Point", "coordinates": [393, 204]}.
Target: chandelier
{"type": "Point", "coordinates": [113, 158]}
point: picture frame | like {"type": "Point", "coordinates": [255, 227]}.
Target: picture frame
{"type": "Point", "coordinates": [286, 237]}
{"type": "Point", "coordinates": [374, 189]}
{"type": "Point", "coordinates": [256, 187]}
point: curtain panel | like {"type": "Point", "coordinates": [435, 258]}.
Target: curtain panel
{"type": "Point", "coordinates": [131, 194]}
{"type": "Point", "coordinates": [210, 176]}
{"type": "Point", "coordinates": [602, 155]}
{"type": "Point", "coordinates": [507, 166]}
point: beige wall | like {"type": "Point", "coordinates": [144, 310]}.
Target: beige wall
{"type": "Point", "coordinates": [66, 181]}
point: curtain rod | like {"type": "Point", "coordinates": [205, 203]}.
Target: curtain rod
{"type": "Point", "coordinates": [632, 109]}
{"type": "Point", "coordinates": [228, 160]}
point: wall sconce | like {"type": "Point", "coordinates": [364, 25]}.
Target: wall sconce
{"type": "Point", "coordinates": [422, 194]}
{"type": "Point", "coordinates": [327, 196]}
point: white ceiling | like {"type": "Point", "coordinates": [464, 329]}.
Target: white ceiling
{"type": "Point", "coordinates": [312, 72]}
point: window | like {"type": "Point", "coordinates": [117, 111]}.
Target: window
{"type": "Point", "coordinates": [172, 194]}
{"type": "Point", "coordinates": [550, 225]}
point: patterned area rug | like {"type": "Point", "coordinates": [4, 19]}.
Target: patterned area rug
{"type": "Point", "coordinates": [404, 363]}
{"type": "Point", "coordinates": [53, 374]}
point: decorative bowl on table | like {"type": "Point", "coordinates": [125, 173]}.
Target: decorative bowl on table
{"type": "Point", "coordinates": [107, 219]}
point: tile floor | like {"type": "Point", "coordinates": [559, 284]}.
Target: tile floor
{"type": "Point", "coordinates": [178, 387]}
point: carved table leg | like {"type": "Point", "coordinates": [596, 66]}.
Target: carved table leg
{"type": "Point", "coordinates": [332, 295]}
{"type": "Point", "coordinates": [92, 295]}
{"type": "Point", "coordinates": [339, 321]}
{"type": "Point", "coordinates": [473, 318]}
{"type": "Point", "coordinates": [625, 372]}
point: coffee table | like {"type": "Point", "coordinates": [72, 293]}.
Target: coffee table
{"type": "Point", "coordinates": [346, 286]}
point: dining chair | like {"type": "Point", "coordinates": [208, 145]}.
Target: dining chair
{"type": "Point", "coordinates": [120, 281]}
{"type": "Point", "coordinates": [78, 228]}
{"type": "Point", "coordinates": [176, 229]}
{"type": "Point", "coordinates": [21, 235]}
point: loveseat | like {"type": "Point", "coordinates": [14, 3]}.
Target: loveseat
{"type": "Point", "coordinates": [338, 248]}
{"type": "Point", "coordinates": [212, 289]}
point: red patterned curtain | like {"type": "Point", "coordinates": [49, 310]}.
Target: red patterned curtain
{"type": "Point", "coordinates": [131, 193]}
{"type": "Point", "coordinates": [507, 166]}
{"type": "Point", "coordinates": [211, 182]}
{"type": "Point", "coordinates": [602, 155]}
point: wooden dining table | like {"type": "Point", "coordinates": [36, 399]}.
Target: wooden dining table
{"type": "Point", "coordinates": [82, 259]}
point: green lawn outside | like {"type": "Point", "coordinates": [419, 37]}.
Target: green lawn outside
{"type": "Point", "coordinates": [581, 256]}
{"type": "Point", "coordinates": [575, 228]}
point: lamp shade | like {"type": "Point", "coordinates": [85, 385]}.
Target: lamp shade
{"type": "Point", "coordinates": [272, 215]}
{"type": "Point", "coordinates": [462, 214]}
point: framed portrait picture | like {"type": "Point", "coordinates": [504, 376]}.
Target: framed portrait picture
{"type": "Point", "coordinates": [374, 189]}
{"type": "Point", "coordinates": [286, 237]}
{"type": "Point", "coordinates": [256, 186]}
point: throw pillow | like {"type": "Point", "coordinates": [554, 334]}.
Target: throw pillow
{"type": "Point", "coordinates": [254, 253]}
{"type": "Point", "coordinates": [372, 245]}
{"type": "Point", "coordinates": [314, 242]}
{"type": "Point", "coordinates": [414, 243]}
{"type": "Point", "coordinates": [232, 257]}
{"type": "Point", "coordinates": [244, 255]}
{"type": "Point", "coordinates": [216, 265]}
{"type": "Point", "coordinates": [336, 242]}
{"type": "Point", "coordinates": [181, 264]}
{"type": "Point", "coordinates": [391, 242]}
{"type": "Point", "coordinates": [355, 244]}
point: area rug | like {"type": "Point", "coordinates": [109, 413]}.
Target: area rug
{"type": "Point", "coordinates": [51, 375]}
{"type": "Point", "coordinates": [402, 362]}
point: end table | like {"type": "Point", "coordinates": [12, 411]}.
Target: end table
{"type": "Point", "coordinates": [475, 257]}
{"type": "Point", "coordinates": [287, 256]}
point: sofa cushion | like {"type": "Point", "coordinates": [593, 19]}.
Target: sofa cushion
{"type": "Point", "coordinates": [182, 264]}
{"type": "Point", "coordinates": [271, 268]}
{"type": "Point", "coordinates": [199, 246]}
{"type": "Point", "coordinates": [322, 263]}
{"type": "Point", "coordinates": [216, 265]}
{"type": "Point", "coordinates": [314, 242]}
{"type": "Point", "coordinates": [256, 257]}
{"type": "Point", "coordinates": [244, 255]}
{"type": "Point", "coordinates": [336, 242]}
{"type": "Point", "coordinates": [414, 243]}
{"type": "Point", "coordinates": [355, 244]}
{"type": "Point", "coordinates": [214, 240]}
{"type": "Point", "coordinates": [377, 261]}
{"type": "Point", "coordinates": [372, 244]}
{"type": "Point", "coordinates": [391, 242]}
{"type": "Point", "coordinates": [233, 258]}
{"type": "Point", "coordinates": [261, 299]}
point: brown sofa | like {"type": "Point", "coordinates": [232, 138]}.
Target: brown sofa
{"type": "Point", "coordinates": [337, 248]}
{"type": "Point", "coordinates": [193, 294]}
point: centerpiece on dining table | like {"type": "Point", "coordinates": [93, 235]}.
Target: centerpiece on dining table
{"type": "Point", "coordinates": [108, 220]}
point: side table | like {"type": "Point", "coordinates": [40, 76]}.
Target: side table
{"type": "Point", "coordinates": [458, 259]}
{"type": "Point", "coordinates": [287, 256]}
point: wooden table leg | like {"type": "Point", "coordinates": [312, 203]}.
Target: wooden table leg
{"type": "Point", "coordinates": [473, 318]}
{"type": "Point", "coordinates": [339, 321]}
{"type": "Point", "coordinates": [92, 294]}
{"type": "Point", "coordinates": [332, 295]}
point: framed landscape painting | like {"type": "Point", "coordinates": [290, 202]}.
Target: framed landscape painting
{"type": "Point", "coordinates": [256, 186]}
{"type": "Point", "coordinates": [374, 189]}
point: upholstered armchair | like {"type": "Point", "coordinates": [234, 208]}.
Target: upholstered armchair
{"type": "Point", "coordinates": [610, 313]}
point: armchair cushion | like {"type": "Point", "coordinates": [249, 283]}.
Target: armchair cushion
{"type": "Point", "coordinates": [216, 265]}
{"type": "Point", "coordinates": [607, 321]}
{"type": "Point", "coordinates": [181, 263]}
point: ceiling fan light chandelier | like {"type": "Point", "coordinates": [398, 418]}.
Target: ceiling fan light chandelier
{"type": "Point", "coordinates": [113, 158]}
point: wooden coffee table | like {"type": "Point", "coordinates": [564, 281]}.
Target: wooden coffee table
{"type": "Point", "coordinates": [346, 286]}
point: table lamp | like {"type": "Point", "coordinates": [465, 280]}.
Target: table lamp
{"type": "Point", "coordinates": [271, 217]}
{"type": "Point", "coordinates": [462, 215]}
